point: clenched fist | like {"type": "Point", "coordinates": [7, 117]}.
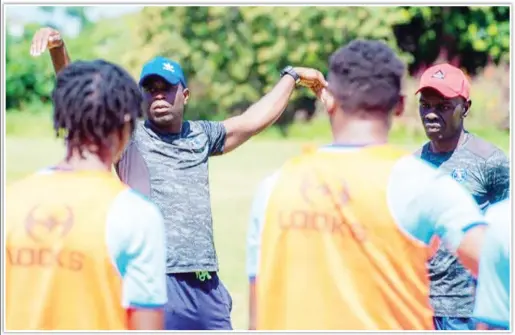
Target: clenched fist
{"type": "Point", "coordinates": [312, 79]}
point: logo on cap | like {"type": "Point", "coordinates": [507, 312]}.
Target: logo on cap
{"type": "Point", "coordinates": [438, 75]}
{"type": "Point", "coordinates": [168, 67]}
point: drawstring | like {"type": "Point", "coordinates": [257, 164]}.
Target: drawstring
{"type": "Point", "coordinates": [203, 275]}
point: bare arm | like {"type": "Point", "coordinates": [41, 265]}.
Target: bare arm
{"type": "Point", "coordinates": [470, 248]}
{"type": "Point", "coordinates": [48, 38]}
{"type": "Point", "coordinates": [252, 306]}
{"type": "Point", "coordinates": [145, 319]}
{"type": "Point", "coordinates": [268, 109]}
{"type": "Point", "coordinates": [60, 58]}
{"type": "Point", "coordinates": [485, 327]}
{"type": "Point", "coordinates": [259, 116]}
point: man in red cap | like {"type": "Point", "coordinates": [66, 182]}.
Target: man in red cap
{"type": "Point", "coordinates": [480, 166]}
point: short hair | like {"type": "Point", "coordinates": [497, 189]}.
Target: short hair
{"type": "Point", "coordinates": [366, 75]}
{"type": "Point", "coordinates": [91, 99]}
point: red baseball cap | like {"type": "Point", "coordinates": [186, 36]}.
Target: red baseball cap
{"type": "Point", "coordinates": [450, 81]}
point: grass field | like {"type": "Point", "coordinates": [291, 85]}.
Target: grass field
{"type": "Point", "coordinates": [233, 181]}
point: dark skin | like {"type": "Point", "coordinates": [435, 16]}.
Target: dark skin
{"type": "Point", "coordinates": [166, 109]}
{"type": "Point", "coordinates": [164, 103]}
{"type": "Point", "coordinates": [442, 119]}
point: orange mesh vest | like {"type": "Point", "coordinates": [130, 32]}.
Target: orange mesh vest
{"type": "Point", "coordinates": [59, 275]}
{"type": "Point", "coordinates": [332, 256]}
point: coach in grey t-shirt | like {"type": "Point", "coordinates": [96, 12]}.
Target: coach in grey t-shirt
{"type": "Point", "coordinates": [478, 165]}
{"type": "Point", "coordinates": [167, 160]}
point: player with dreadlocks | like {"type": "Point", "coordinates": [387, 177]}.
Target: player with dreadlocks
{"type": "Point", "coordinates": [85, 252]}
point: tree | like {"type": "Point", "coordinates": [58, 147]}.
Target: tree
{"type": "Point", "coordinates": [233, 54]}
{"type": "Point", "coordinates": [468, 37]}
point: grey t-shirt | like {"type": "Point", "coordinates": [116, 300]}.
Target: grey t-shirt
{"type": "Point", "coordinates": [172, 170]}
{"type": "Point", "coordinates": [485, 171]}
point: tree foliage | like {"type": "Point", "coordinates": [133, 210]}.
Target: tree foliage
{"type": "Point", "coordinates": [232, 55]}
{"type": "Point", "coordinates": [468, 37]}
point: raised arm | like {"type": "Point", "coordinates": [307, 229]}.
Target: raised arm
{"type": "Point", "coordinates": [49, 38]}
{"type": "Point", "coordinates": [269, 108]}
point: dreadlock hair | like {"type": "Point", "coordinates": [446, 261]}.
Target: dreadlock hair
{"type": "Point", "coordinates": [91, 100]}
{"type": "Point", "coordinates": [366, 75]}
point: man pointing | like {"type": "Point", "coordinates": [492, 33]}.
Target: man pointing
{"type": "Point", "coordinates": [167, 160]}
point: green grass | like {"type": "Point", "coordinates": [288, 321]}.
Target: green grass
{"type": "Point", "coordinates": [234, 179]}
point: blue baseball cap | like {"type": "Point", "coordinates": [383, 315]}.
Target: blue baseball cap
{"type": "Point", "coordinates": [165, 68]}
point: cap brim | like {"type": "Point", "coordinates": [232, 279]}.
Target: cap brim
{"type": "Point", "coordinates": [440, 88]}
{"type": "Point", "coordinates": [172, 80]}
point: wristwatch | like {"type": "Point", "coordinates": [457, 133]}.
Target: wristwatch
{"type": "Point", "coordinates": [289, 70]}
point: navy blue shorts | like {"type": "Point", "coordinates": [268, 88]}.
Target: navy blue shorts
{"type": "Point", "coordinates": [451, 323]}
{"type": "Point", "coordinates": [197, 305]}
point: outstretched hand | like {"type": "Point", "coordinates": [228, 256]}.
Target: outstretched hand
{"type": "Point", "coordinates": [314, 80]}
{"type": "Point", "coordinates": [45, 38]}
{"type": "Point", "coordinates": [310, 78]}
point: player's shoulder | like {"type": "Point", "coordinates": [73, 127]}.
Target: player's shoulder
{"type": "Point", "coordinates": [28, 182]}
{"type": "Point", "coordinates": [130, 218]}
{"type": "Point", "coordinates": [413, 167]}
{"type": "Point", "coordinates": [131, 203]}
{"type": "Point", "coordinates": [16, 185]}
{"type": "Point", "coordinates": [481, 148]}
{"type": "Point", "coordinates": [412, 177]}
{"type": "Point", "coordinates": [268, 182]}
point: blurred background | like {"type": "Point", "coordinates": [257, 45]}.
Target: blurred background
{"type": "Point", "coordinates": [232, 56]}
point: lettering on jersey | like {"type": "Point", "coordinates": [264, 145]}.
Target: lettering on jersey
{"type": "Point", "coordinates": [324, 210]}
{"type": "Point", "coordinates": [45, 257]}
{"type": "Point", "coordinates": [46, 227]}
{"type": "Point", "coordinates": [309, 220]}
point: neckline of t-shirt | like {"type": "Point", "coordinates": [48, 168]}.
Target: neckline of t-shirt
{"type": "Point", "coordinates": [459, 147]}
{"type": "Point", "coordinates": [152, 131]}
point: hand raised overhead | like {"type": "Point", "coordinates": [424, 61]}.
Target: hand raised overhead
{"type": "Point", "coordinates": [45, 38]}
